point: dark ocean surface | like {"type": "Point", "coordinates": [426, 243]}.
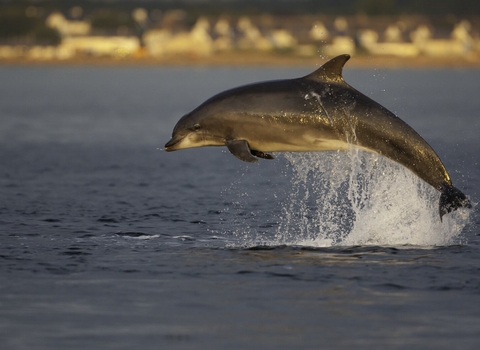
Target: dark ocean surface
{"type": "Point", "coordinates": [108, 242]}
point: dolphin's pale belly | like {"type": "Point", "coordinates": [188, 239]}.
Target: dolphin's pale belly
{"type": "Point", "coordinates": [300, 145]}
{"type": "Point", "coordinates": [288, 135]}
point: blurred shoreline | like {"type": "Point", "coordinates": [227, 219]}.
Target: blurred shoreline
{"type": "Point", "coordinates": [257, 59]}
{"type": "Point", "coordinates": [35, 35]}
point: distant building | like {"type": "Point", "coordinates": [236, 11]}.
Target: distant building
{"type": "Point", "coordinates": [421, 35]}
{"type": "Point", "coordinates": [11, 52]}
{"type": "Point", "coordinates": [460, 42]}
{"type": "Point", "coordinates": [250, 37]}
{"type": "Point", "coordinates": [223, 35]}
{"type": "Point", "coordinates": [393, 34]}
{"type": "Point", "coordinates": [341, 25]}
{"type": "Point", "coordinates": [114, 46]}
{"type": "Point", "coordinates": [282, 39]}
{"type": "Point", "coordinates": [67, 27]}
{"type": "Point", "coordinates": [319, 32]}
{"type": "Point", "coordinates": [340, 45]}
{"type": "Point", "coordinates": [160, 42]}
{"type": "Point", "coordinates": [155, 41]}
{"type": "Point", "coordinates": [368, 40]}
{"type": "Point", "coordinates": [223, 28]}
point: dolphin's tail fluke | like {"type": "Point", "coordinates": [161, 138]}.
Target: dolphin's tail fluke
{"type": "Point", "coordinates": [451, 199]}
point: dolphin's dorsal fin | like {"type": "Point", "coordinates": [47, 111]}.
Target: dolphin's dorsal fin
{"type": "Point", "coordinates": [330, 71]}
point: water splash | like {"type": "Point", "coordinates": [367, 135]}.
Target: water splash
{"type": "Point", "coordinates": [346, 199]}
{"type": "Point", "coordinates": [359, 198]}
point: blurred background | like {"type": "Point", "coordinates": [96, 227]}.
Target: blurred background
{"type": "Point", "coordinates": [406, 32]}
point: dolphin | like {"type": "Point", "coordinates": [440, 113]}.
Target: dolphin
{"type": "Point", "coordinates": [317, 112]}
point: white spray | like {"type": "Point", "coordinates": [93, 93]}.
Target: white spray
{"type": "Point", "coordinates": [359, 198]}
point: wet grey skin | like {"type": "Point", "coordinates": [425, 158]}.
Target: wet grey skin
{"type": "Point", "coordinates": [318, 112]}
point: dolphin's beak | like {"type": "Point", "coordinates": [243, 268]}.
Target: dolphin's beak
{"type": "Point", "coordinates": [170, 145]}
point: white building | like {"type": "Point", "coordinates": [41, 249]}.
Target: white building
{"type": "Point", "coordinates": [66, 27]}
{"type": "Point", "coordinates": [115, 46]}
{"type": "Point", "coordinates": [282, 39]}
{"type": "Point", "coordinates": [160, 42]}
{"type": "Point", "coordinates": [250, 36]}
{"type": "Point", "coordinates": [340, 45]}
{"type": "Point", "coordinates": [368, 39]}
{"type": "Point", "coordinates": [459, 44]}
{"type": "Point", "coordinates": [319, 32]}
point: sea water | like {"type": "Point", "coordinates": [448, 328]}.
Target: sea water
{"type": "Point", "coordinates": [108, 242]}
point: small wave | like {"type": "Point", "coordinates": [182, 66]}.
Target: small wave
{"type": "Point", "coordinates": [137, 235]}
{"type": "Point", "coordinates": [185, 238]}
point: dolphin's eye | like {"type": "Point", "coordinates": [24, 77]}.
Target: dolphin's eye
{"type": "Point", "coordinates": [196, 127]}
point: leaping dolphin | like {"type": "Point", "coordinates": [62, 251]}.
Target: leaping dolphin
{"type": "Point", "coordinates": [318, 112]}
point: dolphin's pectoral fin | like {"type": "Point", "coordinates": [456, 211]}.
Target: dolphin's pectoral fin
{"type": "Point", "coordinates": [260, 154]}
{"type": "Point", "coordinates": [451, 199]}
{"type": "Point", "coordinates": [241, 150]}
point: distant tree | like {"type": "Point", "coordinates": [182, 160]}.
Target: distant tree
{"type": "Point", "coordinates": [111, 19]}
{"type": "Point", "coordinates": [15, 24]}
{"type": "Point", "coordinates": [45, 35]}
{"type": "Point", "coordinates": [377, 7]}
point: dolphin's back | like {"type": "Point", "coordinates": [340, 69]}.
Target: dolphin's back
{"type": "Point", "coordinates": [373, 127]}
{"type": "Point", "coordinates": [269, 98]}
